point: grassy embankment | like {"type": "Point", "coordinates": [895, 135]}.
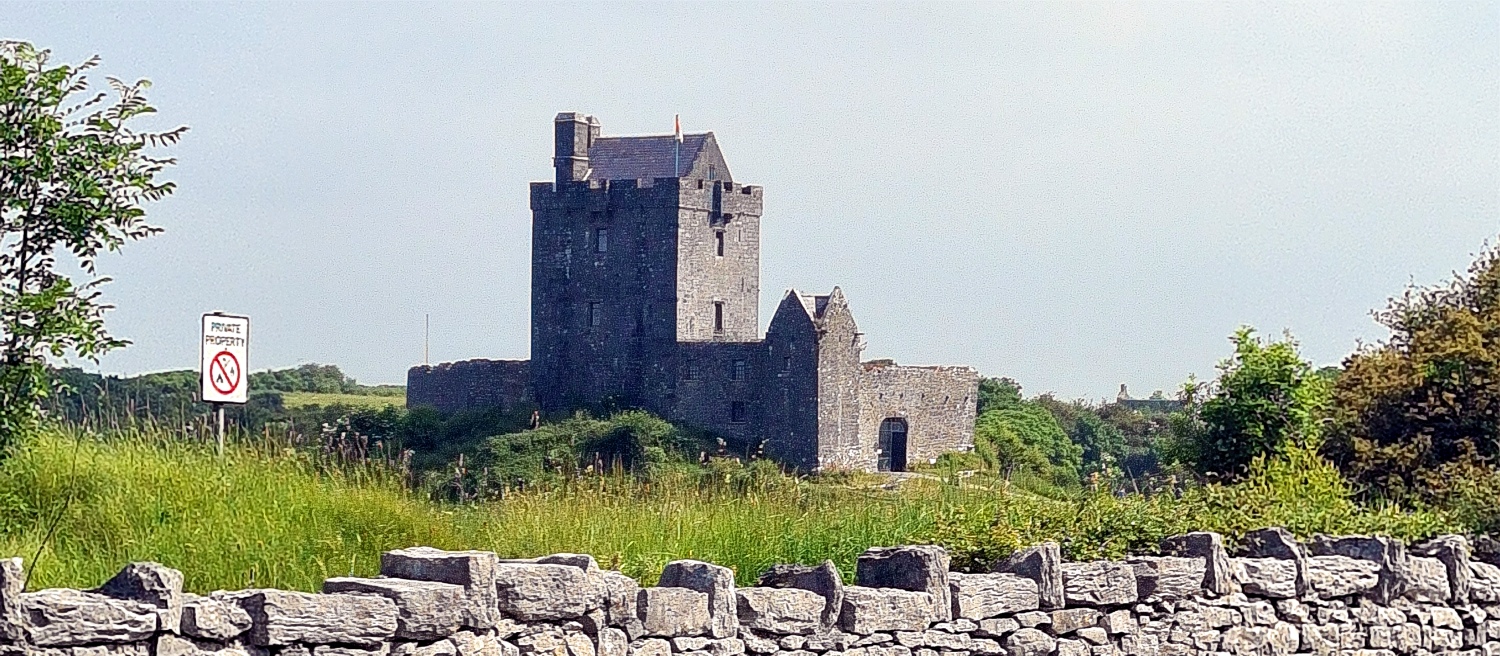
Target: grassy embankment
{"type": "Point", "coordinates": [372, 401]}
{"type": "Point", "coordinates": [269, 516]}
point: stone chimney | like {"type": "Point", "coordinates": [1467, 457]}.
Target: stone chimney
{"type": "Point", "coordinates": [575, 133]}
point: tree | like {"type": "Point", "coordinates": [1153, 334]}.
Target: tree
{"type": "Point", "coordinates": [74, 177]}
{"type": "Point", "coordinates": [1266, 397]}
{"type": "Point", "coordinates": [1419, 413]}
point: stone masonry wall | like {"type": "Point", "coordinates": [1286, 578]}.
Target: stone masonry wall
{"type": "Point", "coordinates": [470, 385]}
{"type": "Point", "coordinates": [1369, 596]}
{"type": "Point", "coordinates": [938, 404]}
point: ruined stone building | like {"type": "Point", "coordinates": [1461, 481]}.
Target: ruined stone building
{"type": "Point", "coordinates": [645, 292]}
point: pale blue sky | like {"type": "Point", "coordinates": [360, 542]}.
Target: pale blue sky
{"type": "Point", "coordinates": [1071, 195]}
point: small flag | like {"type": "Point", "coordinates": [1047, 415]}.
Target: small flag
{"type": "Point", "coordinates": [677, 127]}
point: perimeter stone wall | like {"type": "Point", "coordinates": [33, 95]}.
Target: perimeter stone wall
{"type": "Point", "coordinates": [1371, 596]}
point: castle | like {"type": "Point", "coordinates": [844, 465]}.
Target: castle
{"type": "Point", "coordinates": [645, 291]}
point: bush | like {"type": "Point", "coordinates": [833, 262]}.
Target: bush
{"type": "Point", "coordinates": [1265, 398]}
{"type": "Point", "coordinates": [1424, 405]}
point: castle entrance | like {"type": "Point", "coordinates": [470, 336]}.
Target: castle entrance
{"type": "Point", "coordinates": [892, 445]}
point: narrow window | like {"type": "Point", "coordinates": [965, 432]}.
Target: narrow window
{"type": "Point", "coordinates": [786, 363]}
{"type": "Point", "coordinates": [718, 316]}
{"type": "Point", "coordinates": [712, 173]}
{"type": "Point", "coordinates": [690, 370]}
{"type": "Point", "coordinates": [601, 240]}
{"type": "Point", "coordinates": [594, 318]}
{"type": "Point", "coordinates": [737, 372]}
{"type": "Point", "coordinates": [719, 243]}
{"type": "Point", "coordinates": [737, 412]}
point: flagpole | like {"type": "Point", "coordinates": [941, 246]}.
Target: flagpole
{"type": "Point", "coordinates": [677, 154]}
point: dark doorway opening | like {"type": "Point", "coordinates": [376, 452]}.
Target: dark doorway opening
{"type": "Point", "coordinates": [892, 445]}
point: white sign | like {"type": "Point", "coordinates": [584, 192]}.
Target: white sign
{"type": "Point", "coordinates": [225, 359]}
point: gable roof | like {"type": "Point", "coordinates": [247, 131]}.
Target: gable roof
{"type": "Point", "coordinates": [813, 303]}
{"type": "Point", "coordinates": [631, 158]}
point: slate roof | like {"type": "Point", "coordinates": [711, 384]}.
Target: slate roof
{"type": "Point", "coordinates": [631, 158]}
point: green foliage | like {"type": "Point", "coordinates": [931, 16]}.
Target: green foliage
{"type": "Point", "coordinates": [1026, 437]}
{"type": "Point", "coordinates": [74, 178]}
{"type": "Point", "coordinates": [1418, 415]}
{"type": "Point", "coordinates": [1266, 397]}
{"type": "Point", "coordinates": [998, 394]}
{"type": "Point", "coordinates": [630, 441]}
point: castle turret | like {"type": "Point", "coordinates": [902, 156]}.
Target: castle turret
{"type": "Point", "coordinates": [575, 134]}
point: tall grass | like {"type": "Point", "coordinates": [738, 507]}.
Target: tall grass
{"type": "Point", "coordinates": [269, 515]}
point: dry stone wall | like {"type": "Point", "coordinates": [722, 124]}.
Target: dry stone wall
{"type": "Point", "coordinates": [1370, 596]}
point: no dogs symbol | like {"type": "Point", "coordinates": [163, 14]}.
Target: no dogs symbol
{"type": "Point", "coordinates": [224, 372]}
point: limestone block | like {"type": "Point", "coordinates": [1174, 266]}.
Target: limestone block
{"type": "Point", "coordinates": [611, 642]}
{"type": "Point", "coordinates": [1030, 642]}
{"type": "Point", "coordinates": [986, 647]}
{"type": "Point", "coordinates": [1093, 635]}
{"type": "Point", "coordinates": [12, 584]}
{"type": "Point", "coordinates": [619, 594]}
{"type": "Point", "coordinates": [756, 644]}
{"type": "Point", "coordinates": [213, 618]}
{"type": "Point", "coordinates": [283, 618]}
{"type": "Point", "coordinates": [780, 610]}
{"type": "Point", "coordinates": [1341, 576]}
{"type": "Point", "coordinates": [1068, 620]}
{"type": "Point", "coordinates": [713, 580]}
{"type": "Point", "coordinates": [1446, 618]}
{"type": "Point", "coordinates": [916, 568]}
{"type": "Point", "coordinates": [1167, 577]}
{"type": "Point", "coordinates": [425, 610]}
{"type": "Point", "coordinates": [997, 627]}
{"type": "Point", "coordinates": [1139, 644]}
{"type": "Point", "coordinates": [1426, 580]}
{"type": "Point", "coordinates": [1040, 564]}
{"type": "Point", "coordinates": [690, 643]}
{"type": "Point", "coordinates": [1067, 647]}
{"type": "Point", "coordinates": [1218, 577]}
{"type": "Point", "coordinates": [474, 570]}
{"type": "Point", "coordinates": [673, 612]}
{"type": "Point", "coordinates": [578, 643]}
{"type": "Point", "coordinates": [888, 650]}
{"type": "Point", "coordinates": [1279, 543]}
{"type": "Point", "coordinates": [1120, 622]}
{"type": "Point", "coordinates": [584, 562]}
{"type": "Point", "coordinates": [870, 610]}
{"type": "Point", "coordinates": [1484, 583]}
{"type": "Point", "coordinates": [727, 647]}
{"type": "Point", "coordinates": [823, 579]}
{"type": "Point", "coordinates": [536, 592]}
{"type": "Point", "coordinates": [654, 646]}
{"type": "Point", "coordinates": [468, 643]}
{"type": "Point", "coordinates": [1388, 554]}
{"type": "Point", "coordinates": [1098, 583]}
{"type": "Point", "coordinates": [980, 596]}
{"type": "Point", "coordinates": [151, 584]}
{"type": "Point", "coordinates": [381, 649]}
{"type": "Point", "coordinates": [1033, 618]}
{"type": "Point", "coordinates": [1272, 578]}
{"type": "Point", "coordinates": [63, 618]}
{"type": "Point", "coordinates": [1243, 641]}
{"type": "Point", "coordinates": [944, 640]}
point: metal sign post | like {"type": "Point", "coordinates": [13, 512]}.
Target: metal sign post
{"type": "Point", "coordinates": [225, 365]}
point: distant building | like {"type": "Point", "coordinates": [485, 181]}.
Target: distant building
{"type": "Point", "coordinates": [1158, 402]}
{"type": "Point", "coordinates": [645, 274]}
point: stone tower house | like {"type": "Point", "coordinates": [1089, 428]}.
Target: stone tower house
{"type": "Point", "coordinates": [645, 276]}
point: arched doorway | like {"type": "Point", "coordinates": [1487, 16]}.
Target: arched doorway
{"type": "Point", "coordinates": [892, 445]}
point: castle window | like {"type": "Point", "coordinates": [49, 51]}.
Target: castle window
{"type": "Point", "coordinates": [601, 240]}
{"type": "Point", "coordinates": [712, 173]}
{"type": "Point", "coordinates": [690, 370]}
{"type": "Point", "coordinates": [737, 371]}
{"type": "Point", "coordinates": [737, 412]}
{"type": "Point", "coordinates": [718, 316]}
{"type": "Point", "coordinates": [594, 314]}
{"type": "Point", "coordinates": [719, 243]}
{"type": "Point", "coordinates": [786, 363]}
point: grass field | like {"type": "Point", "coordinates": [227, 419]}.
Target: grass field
{"type": "Point", "coordinates": [264, 515]}
{"type": "Point", "coordinates": [303, 399]}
